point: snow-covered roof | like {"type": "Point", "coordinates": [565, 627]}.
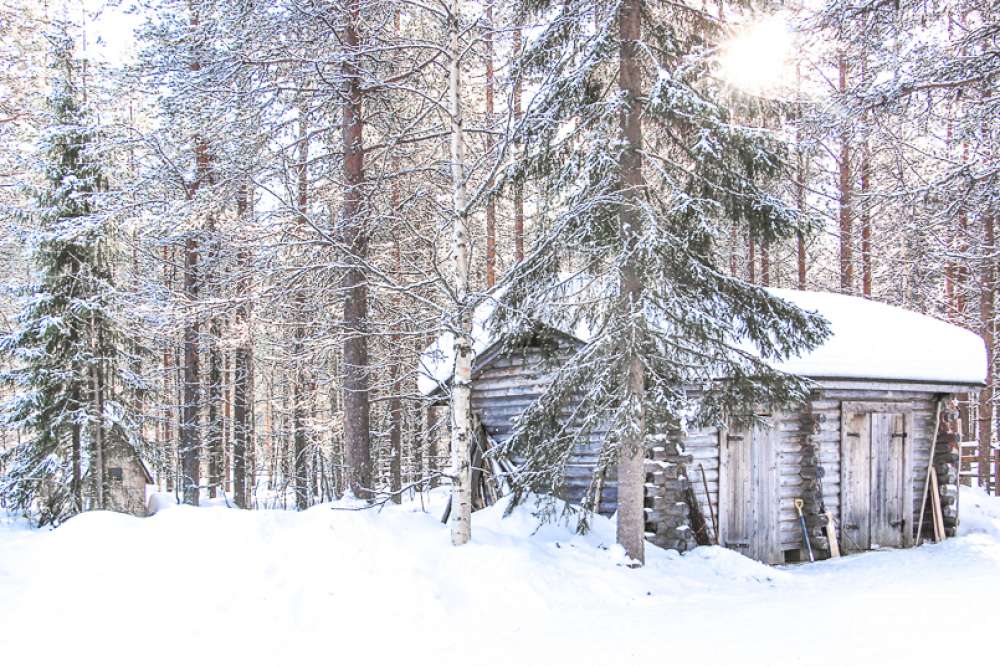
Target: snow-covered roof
{"type": "Point", "coordinates": [876, 341]}
{"type": "Point", "coordinates": [869, 341]}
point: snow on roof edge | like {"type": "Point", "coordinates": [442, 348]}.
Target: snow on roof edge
{"type": "Point", "coordinates": [870, 341]}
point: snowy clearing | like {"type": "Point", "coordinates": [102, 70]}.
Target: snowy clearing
{"type": "Point", "coordinates": [272, 587]}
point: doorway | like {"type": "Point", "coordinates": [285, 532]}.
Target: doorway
{"type": "Point", "coordinates": [748, 493]}
{"type": "Point", "coordinates": [876, 476]}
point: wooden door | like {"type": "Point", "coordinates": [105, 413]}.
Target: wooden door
{"type": "Point", "coordinates": [748, 499]}
{"type": "Point", "coordinates": [888, 435]}
{"type": "Point", "coordinates": [855, 482]}
{"type": "Point", "coordinates": [876, 479]}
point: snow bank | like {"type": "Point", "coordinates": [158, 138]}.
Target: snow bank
{"type": "Point", "coordinates": [385, 587]}
{"type": "Point", "coordinates": [869, 341]}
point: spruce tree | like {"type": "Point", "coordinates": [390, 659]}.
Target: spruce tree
{"type": "Point", "coordinates": [64, 360]}
{"type": "Point", "coordinates": [646, 166]}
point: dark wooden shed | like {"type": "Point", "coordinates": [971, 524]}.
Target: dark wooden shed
{"type": "Point", "coordinates": [857, 451]}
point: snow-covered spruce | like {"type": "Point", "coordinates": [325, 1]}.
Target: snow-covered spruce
{"type": "Point", "coordinates": [648, 169]}
{"type": "Point", "coordinates": [67, 357]}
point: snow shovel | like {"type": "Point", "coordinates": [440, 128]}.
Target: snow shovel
{"type": "Point", "coordinates": [805, 531]}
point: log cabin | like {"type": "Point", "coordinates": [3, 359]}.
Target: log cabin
{"type": "Point", "coordinates": [857, 457]}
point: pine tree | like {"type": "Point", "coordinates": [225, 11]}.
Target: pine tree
{"type": "Point", "coordinates": [66, 368]}
{"type": "Point", "coordinates": [649, 169]}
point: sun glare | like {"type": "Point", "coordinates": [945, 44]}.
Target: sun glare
{"type": "Point", "coordinates": [756, 58]}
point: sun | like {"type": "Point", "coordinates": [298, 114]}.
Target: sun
{"type": "Point", "coordinates": [756, 58]}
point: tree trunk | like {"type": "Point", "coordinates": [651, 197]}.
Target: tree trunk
{"type": "Point", "coordinates": [846, 241]}
{"type": "Point", "coordinates": [77, 458]}
{"type": "Point", "coordinates": [461, 392]}
{"type": "Point", "coordinates": [189, 444]}
{"type": "Point", "coordinates": [357, 443]}
{"type": "Point", "coordinates": [800, 185]}
{"type": "Point", "coordinates": [765, 265]}
{"type": "Point", "coordinates": [214, 434]}
{"type": "Point", "coordinates": [97, 371]}
{"type": "Point", "coordinates": [300, 440]}
{"type": "Point", "coordinates": [987, 308]}
{"type": "Point", "coordinates": [227, 414]}
{"type": "Point", "coordinates": [395, 400]}
{"type": "Point", "coordinates": [491, 211]}
{"type": "Point", "coordinates": [631, 463]}
{"type": "Point", "coordinates": [518, 188]}
{"type": "Point", "coordinates": [242, 379]}
{"type": "Point", "coordinates": [866, 226]}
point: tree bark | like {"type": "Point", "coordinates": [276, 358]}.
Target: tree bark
{"type": "Point", "coordinates": [299, 436]}
{"type": "Point", "coordinates": [866, 226]}
{"type": "Point", "coordinates": [396, 400]}
{"type": "Point", "coordinates": [987, 308]}
{"type": "Point", "coordinates": [631, 463]}
{"type": "Point", "coordinates": [846, 240]}
{"type": "Point", "coordinates": [97, 394]}
{"type": "Point", "coordinates": [189, 444]}
{"type": "Point", "coordinates": [214, 432]}
{"type": "Point", "coordinates": [461, 392]}
{"type": "Point", "coordinates": [357, 443]}
{"type": "Point", "coordinates": [800, 185]}
{"type": "Point", "coordinates": [242, 378]}
{"type": "Point", "coordinates": [518, 188]}
{"type": "Point", "coordinates": [491, 211]}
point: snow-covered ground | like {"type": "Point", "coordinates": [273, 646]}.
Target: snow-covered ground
{"type": "Point", "coordinates": [222, 586]}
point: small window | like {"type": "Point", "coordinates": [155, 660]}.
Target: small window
{"type": "Point", "coordinates": [115, 474]}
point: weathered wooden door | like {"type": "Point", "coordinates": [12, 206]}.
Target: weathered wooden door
{"type": "Point", "coordinates": [876, 478]}
{"type": "Point", "coordinates": [748, 493]}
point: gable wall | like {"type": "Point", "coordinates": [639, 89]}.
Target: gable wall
{"type": "Point", "coordinates": [504, 388]}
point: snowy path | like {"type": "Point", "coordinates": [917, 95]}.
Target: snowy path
{"type": "Point", "coordinates": [271, 587]}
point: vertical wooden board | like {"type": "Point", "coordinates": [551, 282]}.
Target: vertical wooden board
{"type": "Point", "coordinates": [770, 503]}
{"type": "Point", "coordinates": [756, 489]}
{"type": "Point", "coordinates": [738, 526]}
{"type": "Point", "coordinates": [855, 472]}
{"type": "Point", "coordinates": [894, 480]}
{"type": "Point", "coordinates": [722, 502]}
{"type": "Point", "coordinates": [880, 492]}
{"type": "Point", "coordinates": [906, 508]}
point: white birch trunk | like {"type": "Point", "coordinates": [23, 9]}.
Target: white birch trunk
{"type": "Point", "coordinates": [461, 393]}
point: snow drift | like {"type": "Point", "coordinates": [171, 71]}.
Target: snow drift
{"type": "Point", "coordinates": [336, 586]}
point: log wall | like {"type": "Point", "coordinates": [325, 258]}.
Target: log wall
{"type": "Point", "coordinates": [503, 387]}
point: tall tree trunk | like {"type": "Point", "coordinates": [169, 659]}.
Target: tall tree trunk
{"type": "Point", "coordinates": [214, 431]}
{"type": "Point", "coordinates": [357, 438]}
{"type": "Point", "coordinates": [97, 371]}
{"type": "Point", "coordinates": [189, 439]}
{"type": "Point", "coordinates": [461, 392]}
{"type": "Point", "coordinates": [242, 378]}
{"type": "Point", "coordinates": [800, 185]}
{"type": "Point", "coordinates": [866, 225]}
{"type": "Point", "coordinates": [631, 464]}
{"type": "Point", "coordinates": [866, 218]}
{"type": "Point", "coordinates": [518, 188]}
{"type": "Point", "coordinates": [844, 166]}
{"type": "Point", "coordinates": [299, 437]}
{"type": "Point", "coordinates": [491, 211]}
{"type": "Point", "coordinates": [168, 437]}
{"type": "Point", "coordinates": [396, 400]}
{"type": "Point", "coordinates": [765, 265]}
{"type": "Point", "coordinates": [227, 409]}
{"type": "Point", "coordinates": [987, 315]}
{"type": "Point", "coordinates": [189, 442]}
{"type": "Point", "coordinates": [75, 443]}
